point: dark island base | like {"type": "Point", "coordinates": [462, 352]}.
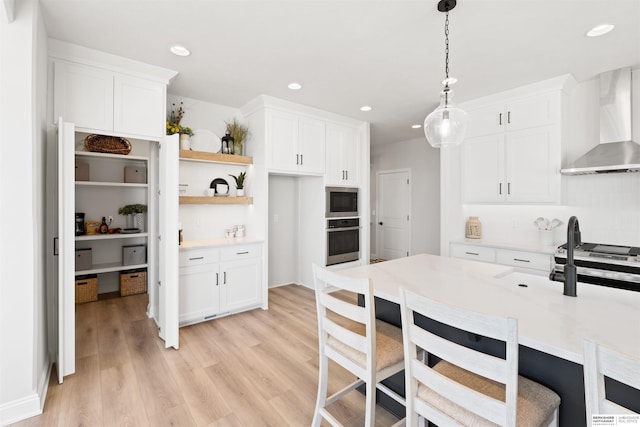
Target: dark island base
{"type": "Point", "coordinates": [560, 375]}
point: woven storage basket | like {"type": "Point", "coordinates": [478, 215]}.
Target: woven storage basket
{"type": "Point", "coordinates": [133, 282]}
{"type": "Point", "coordinates": [107, 144]}
{"type": "Point", "coordinates": [86, 288]}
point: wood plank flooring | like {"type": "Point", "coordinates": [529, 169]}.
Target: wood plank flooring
{"type": "Point", "coordinates": [258, 368]}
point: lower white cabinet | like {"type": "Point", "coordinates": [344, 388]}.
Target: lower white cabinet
{"type": "Point", "coordinates": [219, 281]}
{"type": "Point", "coordinates": [513, 257]}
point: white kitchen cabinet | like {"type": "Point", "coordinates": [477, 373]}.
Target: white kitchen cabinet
{"type": "Point", "coordinates": [525, 259]}
{"type": "Point", "coordinates": [296, 143]}
{"type": "Point", "coordinates": [343, 154]}
{"type": "Point", "coordinates": [102, 100]}
{"type": "Point", "coordinates": [477, 253]}
{"type": "Point", "coordinates": [219, 281]}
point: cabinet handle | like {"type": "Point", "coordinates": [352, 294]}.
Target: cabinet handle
{"type": "Point", "coordinates": [242, 253]}
{"type": "Point", "coordinates": [301, 159]}
{"type": "Point", "coordinates": [508, 188]}
{"type": "Point", "coordinates": [346, 175]}
{"type": "Point", "coordinates": [472, 253]}
{"type": "Point", "coordinates": [195, 258]}
{"type": "Point", "coordinates": [297, 159]}
{"type": "Point", "coordinates": [500, 188]}
{"type": "Point", "coordinates": [500, 119]}
{"type": "Point", "coordinates": [216, 279]}
{"type": "Point", "coordinates": [224, 280]}
{"type": "Point", "coordinates": [521, 260]}
{"type": "Point", "coordinates": [508, 117]}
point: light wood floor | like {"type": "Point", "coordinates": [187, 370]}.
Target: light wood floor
{"type": "Point", "coordinates": [257, 368]}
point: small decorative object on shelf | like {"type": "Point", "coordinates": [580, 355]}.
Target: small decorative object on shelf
{"type": "Point", "coordinates": [239, 183]}
{"type": "Point", "coordinates": [474, 228]}
{"type": "Point", "coordinates": [104, 228]}
{"type": "Point", "coordinates": [227, 144]}
{"type": "Point", "coordinates": [174, 126]}
{"type": "Point", "coordinates": [134, 215]}
{"type": "Point", "coordinates": [107, 144]}
{"type": "Point", "coordinates": [239, 133]}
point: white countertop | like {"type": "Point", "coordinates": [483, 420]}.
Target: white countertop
{"type": "Point", "coordinates": [222, 241]}
{"type": "Point", "coordinates": [548, 321]}
{"type": "Point", "coordinates": [519, 246]}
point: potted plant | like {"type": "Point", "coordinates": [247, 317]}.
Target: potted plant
{"type": "Point", "coordinates": [239, 183]}
{"type": "Point", "coordinates": [239, 132]}
{"type": "Point", "coordinates": [134, 215]}
{"type": "Point", "coordinates": [173, 126]}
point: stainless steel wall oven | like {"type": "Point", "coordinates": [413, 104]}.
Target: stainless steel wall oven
{"type": "Point", "coordinates": [343, 240]}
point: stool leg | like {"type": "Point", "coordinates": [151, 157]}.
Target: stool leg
{"type": "Point", "coordinates": [323, 378]}
{"type": "Point", "coordinates": [370, 414]}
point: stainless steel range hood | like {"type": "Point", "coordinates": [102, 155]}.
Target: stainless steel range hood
{"type": "Point", "coordinates": [616, 152]}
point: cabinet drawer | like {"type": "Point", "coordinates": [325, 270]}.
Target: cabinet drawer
{"type": "Point", "coordinates": [233, 253]}
{"type": "Point", "coordinates": [524, 259]}
{"type": "Point", "coordinates": [198, 256]}
{"type": "Point", "coordinates": [479, 253]}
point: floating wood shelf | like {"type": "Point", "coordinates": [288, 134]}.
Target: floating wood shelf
{"type": "Point", "coordinates": [201, 156]}
{"type": "Point", "coordinates": [204, 200]}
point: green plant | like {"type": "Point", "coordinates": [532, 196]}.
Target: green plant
{"type": "Point", "coordinates": [173, 121]}
{"type": "Point", "coordinates": [237, 130]}
{"type": "Point", "coordinates": [239, 180]}
{"type": "Point", "coordinates": [132, 209]}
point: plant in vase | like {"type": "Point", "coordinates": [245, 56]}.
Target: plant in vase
{"type": "Point", "coordinates": [239, 183]}
{"type": "Point", "coordinates": [173, 126]}
{"type": "Point", "coordinates": [239, 132]}
{"type": "Point", "coordinates": [134, 215]}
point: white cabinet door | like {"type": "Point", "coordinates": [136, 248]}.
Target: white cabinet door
{"type": "Point", "coordinates": [485, 120]}
{"type": "Point", "coordinates": [532, 111]}
{"type": "Point", "coordinates": [343, 152]}
{"type": "Point", "coordinates": [83, 95]}
{"type": "Point", "coordinates": [138, 106]}
{"type": "Point", "coordinates": [283, 141]}
{"type": "Point", "coordinates": [532, 168]}
{"type": "Point", "coordinates": [199, 292]}
{"type": "Point", "coordinates": [240, 284]}
{"type": "Point", "coordinates": [483, 169]}
{"type": "Point", "coordinates": [311, 145]}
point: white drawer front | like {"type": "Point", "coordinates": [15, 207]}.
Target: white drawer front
{"type": "Point", "coordinates": [478, 253]}
{"type": "Point", "coordinates": [524, 259]}
{"type": "Point", "coordinates": [189, 257]}
{"type": "Point", "coordinates": [233, 253]}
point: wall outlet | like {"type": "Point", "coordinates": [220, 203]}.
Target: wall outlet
{"type": "Point", "coordinates": [110, 219]}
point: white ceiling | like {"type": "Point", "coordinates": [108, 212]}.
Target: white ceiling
{"type": "Point", "coordinates": [388, 54]}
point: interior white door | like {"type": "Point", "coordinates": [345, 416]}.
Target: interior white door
{"type": "Point", "coordinates": [168, 295]}
{"type": "Point", "coordinates": [393, 214]}
{"type": "Point", "coordinates": [66, 354]}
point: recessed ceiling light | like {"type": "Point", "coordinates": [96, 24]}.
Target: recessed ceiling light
{"type": "Point", "coordinates": [450, 81]}
{"type": "Point", "coordinates": [294, 86]}
{"type": "Point", "coordinates": [416, 126]}
{"type": "Point", "coordinates": [600, 30]}
{"type": "Point", "coordinates": [365, 108]}
{"type": "Point", "coordinates": [176, 49]}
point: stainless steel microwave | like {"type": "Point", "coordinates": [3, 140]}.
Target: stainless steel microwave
{"type": "Point", "coordinates": [341, 202]}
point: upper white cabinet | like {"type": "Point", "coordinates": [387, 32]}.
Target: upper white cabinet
{"type": "Point", "coordinates": [343, 154]}
{"type": "Point", "coordinates": [296, 143]}
{"type": "Point", "coordinates": [512, 151]}
{"type": "Point", "coordinates": [98, 99]}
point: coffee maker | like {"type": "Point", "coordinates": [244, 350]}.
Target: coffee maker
{"type": "Point", "coordinates": [79, 223]}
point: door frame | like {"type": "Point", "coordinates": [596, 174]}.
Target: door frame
{"type": "Point", "coordinates": [409, 222]}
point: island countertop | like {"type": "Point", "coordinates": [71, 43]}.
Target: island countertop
{"type": "Point", "coordinates": [548, 321]}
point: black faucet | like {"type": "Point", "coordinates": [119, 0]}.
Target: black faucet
{"type": "Point", "coordinates": [573, 240]}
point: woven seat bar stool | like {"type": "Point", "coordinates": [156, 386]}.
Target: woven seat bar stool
{"type": "Point", "coordinates": [350, 336]}
{"type": "Point", "coordinates": [599, 362]}
{"type": "Point", "coordinates": [467, 387]}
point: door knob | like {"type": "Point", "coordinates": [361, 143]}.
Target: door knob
{"type": "Point", "coordinates": [380, 223]}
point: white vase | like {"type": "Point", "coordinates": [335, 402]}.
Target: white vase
{"type": "Point", "coordinates": [129, 221]}
{"type": "Point", "coordinates": [138, 221]}
{"type": "Point", "coordinates": [240, 192]}
{"type": "Point", "coordinates": [185, 142]}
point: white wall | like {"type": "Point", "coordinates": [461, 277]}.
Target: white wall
{"type": "Point", "coordinates": [424, 162]}
{"type": "Point", "coordinates": [24, 362]}
{"type": "Point", "coordinates": [607, 205]}
{"type": "Point", "coordinates": [283, 230]}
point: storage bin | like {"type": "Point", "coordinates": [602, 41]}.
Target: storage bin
{"type": "Point", "coordinates": [133, 282]}
{"type": "Point", "coordinates": [84, 259]}
{"type": "Point", "coordinates": [134, 174]}
{"type": "Point", "coordinates": [134, 254]}
{"type": "Point", "coordinates": [86, 288]}
{"type": "Point", "coordinates": [82, 171]}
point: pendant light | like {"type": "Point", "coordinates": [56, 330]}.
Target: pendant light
{"type": "Point", "coordinates": [446, 125]}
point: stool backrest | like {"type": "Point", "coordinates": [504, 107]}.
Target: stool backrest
{"type": "Point", "coordinates": [504, 371]}
{"type": "Point", "coordinates": [600, 362]}
{"type": "Point", "coordinates": [326, 283]}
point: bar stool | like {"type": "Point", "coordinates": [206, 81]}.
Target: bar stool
{"type": "Point", "coordinates": [368, 348]}
{"type": "Point", "coordinates": [599, 362]}
{"type": "Point", "coordinates": [468, 387]}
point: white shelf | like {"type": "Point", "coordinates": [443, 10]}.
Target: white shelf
{"type": "Point", "coordinates": [89, 237]}
{"type": "Point", "coordinates": [111, 156]}
{"type": "Point", "coordinates": [109, 267]}
{"type": "Point", "coordinates": [110, 184]}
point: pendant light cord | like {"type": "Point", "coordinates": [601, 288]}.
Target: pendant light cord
{"type": "Point", "coordinates": [446, 49]}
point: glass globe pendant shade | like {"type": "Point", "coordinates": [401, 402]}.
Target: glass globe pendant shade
{"type": "Point", "coordinates": [446, 125]}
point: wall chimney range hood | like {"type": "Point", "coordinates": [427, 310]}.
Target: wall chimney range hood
{"type": "Point", "coordinates": [616, 152]}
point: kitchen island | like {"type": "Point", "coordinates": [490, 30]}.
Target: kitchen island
{"type": "Point", "coordinates": [551, 326]}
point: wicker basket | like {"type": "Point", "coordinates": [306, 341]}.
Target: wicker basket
{"type": "Point", "coordinates": [133, 282]}
{"type": "Point", "coordinates": [86, 288]}
{"type": "Point", "coordinates": [107, 144]}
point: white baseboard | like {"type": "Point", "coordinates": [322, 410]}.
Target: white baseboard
{"type": "Point", "coordinates": [27, 406]}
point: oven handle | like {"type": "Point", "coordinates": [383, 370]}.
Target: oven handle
{"type": "Point", "coordinates": [331, 230]}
